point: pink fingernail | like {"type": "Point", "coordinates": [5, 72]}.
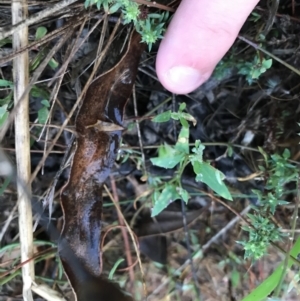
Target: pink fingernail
{"type": "Point", "coordinates": [185, 79]}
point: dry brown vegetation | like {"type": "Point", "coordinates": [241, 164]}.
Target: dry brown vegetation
{"type": "Point", "coordinates": [199, 261]}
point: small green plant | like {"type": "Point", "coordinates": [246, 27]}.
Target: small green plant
{"type": "Point", "coordinates": [181, 156]}
{"type": "Point", "coordinates": [252, 70]}
{"type": "Point", "coordinates": [149, 25]}
{"type": "Point", "coordinates": [7, 103]}
{"type": "Point", "coordinates": [263, 231]}
{"type": "Point", "coordinates": [39, 34]}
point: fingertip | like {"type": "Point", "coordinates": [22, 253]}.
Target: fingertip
{"type": "Point", "coordinates": [182, 79]}
{"type": "Point", "coordinates": [200, 34]}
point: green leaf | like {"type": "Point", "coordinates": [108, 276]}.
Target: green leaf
{"type": "Point", "coordinates": [189, 117]}
{"type": "Point", "coordinates": [198, 152]}
{"type": "Point", "coordinates": [269, 284]}
{"type": "Point", "coordinates": [213, 178]}
{"type": "Point", "coordinates": [5, 184]}
{"type": "Point", "coordinates": [197, 166]}
{"type": "Point", "coordinates": [6, 83]}
{"type": "Point", "coordinates": [53, 64]}
{"type": "Point", "coordinates": [167, 162]}
{"type": "Point", "coordinates": [7, 99]}
{"type": "Point", "coordinates": [39, 92]}
{"type": "Point", "coordinates": [175, 115]}
{"type": "Point", "coordinates": [114, 8]}
{"type": "Point", "coordinates": [182, 144]}
{"type": "Point", "coordinates": [43, 115]}
{"type": "Point", "coordinates": [183, 122]}
{"type": "Point", "coordinates": [168, 195]}
{"type": "Point", "coordinates": [229, 151]}
{"type": "Point", "coordinates": [182, 107]}
{"type": "Point", "coordinates": [114, 268]}
{"type": "Point", "coordinates": [168, 157]}
{"type": "Point", "coordinates": [3, 114]}
{"type": "Point", "coordinates": [267, 63]}
{"type": "Point", "coordinates": [184, 194]}
{"type": "Point", "coordinates": [40, 32]}
{"type": "Point", "coordinates": [5, 41]}
{"type": "Point", "coordinates": [46, 103]}
{"type": "Point", "coordinates": [163, 117]}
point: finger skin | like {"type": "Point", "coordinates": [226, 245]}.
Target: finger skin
{"type": "Point", "coordinates": [200, 34]}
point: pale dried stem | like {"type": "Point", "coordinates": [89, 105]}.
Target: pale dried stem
{"type": "Point", "coordinates": [47, 293]}
{"type": "Point", "coordinates": [22, 144]}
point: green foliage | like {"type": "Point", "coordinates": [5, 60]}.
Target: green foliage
{"type": "Point", "coordinates": [268, 285]}
{"type": "Point", "coordinates": [180, 155]}
{"type": "Point", "coordinates": [149, 25]}
{"type": "Point", "coordinates": [40, 32]}
{"type": "Point", "coordinates": [7, 102]}
{"type": "Point", "coordinates": [260, 237]}
{"type": "Point", "coordinates": [263, 231]}
{"type": "Point", "coordinates": [43, 112]}
{"type": "Point", "coordinates": [252, 70]}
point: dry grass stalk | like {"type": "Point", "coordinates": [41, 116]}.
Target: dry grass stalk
{"type": "Point", "coordinates": [22, 143]}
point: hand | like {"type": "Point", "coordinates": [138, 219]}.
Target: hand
{"type": "Point", "coordinates": [199, 35]}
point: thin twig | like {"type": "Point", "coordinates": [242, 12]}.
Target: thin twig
{"type": "Point", "coordinates": [124, 232]}
{"type": "Point", "coordinates": [132, 235]}
{"type": "Point", "coordinates": [139, 131]}
{"type": "Point", "coordinates": [77, 102]}
{"type": "Point", "coordinates": [190, 257]}
{"type": "Point", "coordinates": [272, 14]}
{"type": "Point", "coordinates": [47, 38]}
{"type": "Point", "coordinates": [34, 78]}
{"type": "Point", "coordinates": [257, 47]}
{"type": "Point", "coordinates": [24, 23]}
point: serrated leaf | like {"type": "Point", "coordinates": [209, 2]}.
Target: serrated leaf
{"type": "Point", "coordinates": [168, 195]}
{"type": "Point", "coordinates": [43, 115]}
{"type": "Point", "coordinates": [163, 117]}
{"type": "Point", "coordinates": [40, 32]}
{"type": "Point", "coordinates": [213, 178]}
